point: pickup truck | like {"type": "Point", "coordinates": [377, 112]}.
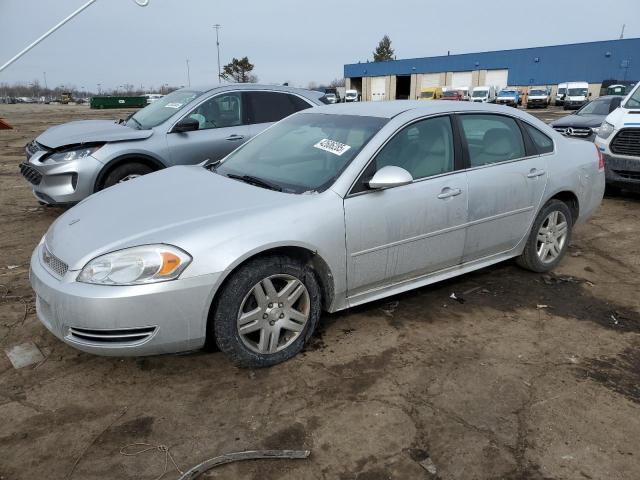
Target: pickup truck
{"type": "Point", "coordinates": [509, 97]}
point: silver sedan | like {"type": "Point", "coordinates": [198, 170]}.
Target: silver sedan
{"type": "Point", "coordinates": [327, 209]}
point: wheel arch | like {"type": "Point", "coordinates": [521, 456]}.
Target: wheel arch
{"type": "Point", "coordinates": [571, 200]}
{"type": "Point", "coordinates": [122, 159]}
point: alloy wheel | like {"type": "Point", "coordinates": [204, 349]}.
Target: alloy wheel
{"type": "Point", "coordinates": [552, 237]}
{"type": "Point", "coordinates": [273, 314]}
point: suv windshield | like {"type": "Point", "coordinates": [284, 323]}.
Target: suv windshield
{"type": "Point", "coordinates": [634, 100]}
{"type": "Point", "coordinates": [304, 152]}
{"type": "Point", "coordinates": [577, 92]}
{"type": "Point", "coordinates": [597, 107]}
{"type": "Point", "coordinates": [157, 112]}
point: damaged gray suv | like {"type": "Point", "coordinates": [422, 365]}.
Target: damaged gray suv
{"type": "Point", "coordinates": [69, 162]}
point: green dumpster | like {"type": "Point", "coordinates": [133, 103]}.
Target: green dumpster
{"type": "Point", "coordinates": [118, 102]}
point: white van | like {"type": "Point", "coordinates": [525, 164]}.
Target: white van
{"type": "Point", "coordinates": [351, 96]}
{"type": "Point", "coordinates": [484, 94]}
{"type": "Point", "coordinates": [577, 95]}
{"type": "Point", "coordinates": [618, 138]}
{"type": "Point", "coordinates": [560, 93]}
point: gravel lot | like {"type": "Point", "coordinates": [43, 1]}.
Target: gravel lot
{"type": "Point", "coordinates": [497, 387]}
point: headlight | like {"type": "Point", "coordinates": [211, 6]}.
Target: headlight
{"type": "Point", "coordinates": [136, 266]}
{"type": "Point", "coordinates": [605, 130]}
{"type": "Point", "coordinates": [72, 154]}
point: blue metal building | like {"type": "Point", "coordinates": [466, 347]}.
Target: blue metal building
{"type": "Point", "coordinates": [592, 62]}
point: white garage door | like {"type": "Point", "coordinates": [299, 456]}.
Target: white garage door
{"type": "Point", "coordinates": [461, 79]}
{"type": "Point", "coordinates": [497, 78]}
{"type": "Point", "coordinates": [430, 80]}
{"type": "Point", "coordinates": [378, 85]}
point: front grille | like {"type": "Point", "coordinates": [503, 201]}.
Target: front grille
{"type": "Point", "coordinates": [628, 174]}
{"type": "Point", "coordinates": [123, 336]}
{"type": "Point", "coordinates": [627, 142]}
{"type": "Point", "coordinates": [53, 263]}
{"type": "Point", "coordinates": [574, 131]}
{"type": "Point", "coordinates": [32, 175]}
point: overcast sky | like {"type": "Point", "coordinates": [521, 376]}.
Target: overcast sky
{"type": "Point", "coordinates": [115, 42]}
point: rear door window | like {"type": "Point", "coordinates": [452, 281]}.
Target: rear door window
{"type": "Point", "coordinates": [543, 143]}
{"type": "Point", "coordinates": [266, 107]}
{"type": "Point", "coordinates": [492, 139]}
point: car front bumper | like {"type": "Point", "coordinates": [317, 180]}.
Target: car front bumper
{"type": "Point", "coordinates": [160, 318]}
{"type": "Point", "coordinates": [510, 102]}
{"type": "Point", "coordinates": [59, 183]}
{"type": "Point", "coordinates": [623, 172]}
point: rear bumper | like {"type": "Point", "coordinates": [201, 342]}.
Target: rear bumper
{"type": "Point", "coordinates": [167, 317]}
{"type": "Point", "coordinates": [623, 172]}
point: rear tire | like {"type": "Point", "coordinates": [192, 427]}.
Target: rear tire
{"type": "Point", "coordinates": [266, 311]}
{"type": "Point", "coordinates": [545, 246]}
{"type": "Point", "coordinates": [125, 172]}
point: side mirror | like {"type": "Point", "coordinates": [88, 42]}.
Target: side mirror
{"type": "Point", "coordinates": [589, 93]}
{"type": "Point", "coordinates": [187, 124]}
{"type": "Point", "coordinates": [390, 176]}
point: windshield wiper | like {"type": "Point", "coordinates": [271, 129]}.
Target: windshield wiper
{"type": "Point", "coordinates": [258, 182]}
{"type": "Point", "coordinates": [137, 122]}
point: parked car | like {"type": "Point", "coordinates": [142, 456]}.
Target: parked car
{"type": "Point", "coordinates": [586, 122]}
{"type": "Point", "coordinates": [538, 98]}
{"type": "Point", "coordinates": [577, 95]}
{"type": "Point", "coordinates": [453, 95]}
{"type": "Point", "coordinates": [560, 93]}
{"type": "Point", "coordinates": [334, 91]}
{"type": "Point", "coordinates": [509, 96]}
{"type": "Point", "coordinates": [484, 94]}
{"type": "Point", "coordinates": [619, 140]}
{"type": "Point", "coordinates": [331, 208]}
{"type": "Point", "coordinates": [430, 93]}
{"type": "Point", "coordinates": [68, 162]}
{"type": "Point", "coordinates": [351, 96]}
{"type": "Point", "coordinates": [331, 98]}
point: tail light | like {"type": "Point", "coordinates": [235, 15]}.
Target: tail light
{"type": "Point", "coordinates": [600, 159]}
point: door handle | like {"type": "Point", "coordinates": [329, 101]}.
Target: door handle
{"type": "Point", "coordinates": [449, 192]}
{"type": "Point", "coordinates": [534, 173]}
{"type": "Point", "coordinates": [234, 137]}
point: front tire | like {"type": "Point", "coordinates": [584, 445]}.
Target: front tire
{"type": "Point", "coordinates": [125, 172]}
{"type": "Point", "coordinates": [266, 311]}
{"type": "Point", "coordinates": [549, 238]}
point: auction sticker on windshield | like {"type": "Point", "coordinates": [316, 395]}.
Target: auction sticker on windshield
{"type": "Point", "coordinates": [332, 146]}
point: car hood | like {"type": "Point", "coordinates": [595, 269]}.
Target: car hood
{"type": "Point", "coordinates": [162, 207]}
{"type": "Point", "coordinates": [89, 131]}
{"type": "Point", "coordinates": [579, 121]}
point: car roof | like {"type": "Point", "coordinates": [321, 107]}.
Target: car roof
{"type": "Point", "coordinates": [392, 108]}
{"type": "Point", "coordinates": [256, 86]}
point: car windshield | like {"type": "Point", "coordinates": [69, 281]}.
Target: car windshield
{"type": "Point", "coordinates": [562, 91]}
{"type": "Point", "coordinates": [577, 92]}
{"type": "Point", "coordinates": [507, 93]}
{"type": "Point", "coordinates": [597, 107]}
{"type": "Point", "coordinates": [160, 110]}
{"type": "Point", "coordinates": [479, 93]}
{"type": "Point", "coordinates": [451, 93]}
{"type": "Point", "coordinates": [634, 99]}
{"type": "Point", "coordinates": [305, 152]}
{"type": "Point", "coordinates": [426, 95]}
{"type": "Point", "coordinates": [537, 92]}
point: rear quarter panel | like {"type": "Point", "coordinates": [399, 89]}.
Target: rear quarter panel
{"type": "Point", "coordinates": [573, 167]}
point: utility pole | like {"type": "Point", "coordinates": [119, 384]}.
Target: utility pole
{"type": "Point", "coordinates": [217, 26]}
{"type": "Point", "coordinates": [622, 32]}
{"type": "Point", "coordinates": [188, 74]}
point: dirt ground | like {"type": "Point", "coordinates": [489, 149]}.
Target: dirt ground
{"type": "Point", "coordinates": [531, 377]}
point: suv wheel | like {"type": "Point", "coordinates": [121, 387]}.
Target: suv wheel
{"type": "Point", "coordinates": [266, 311]}
{"type": "Point", "coordinates": [549, 238]}
{"type": "Point", "coordinates": [125, 172]}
